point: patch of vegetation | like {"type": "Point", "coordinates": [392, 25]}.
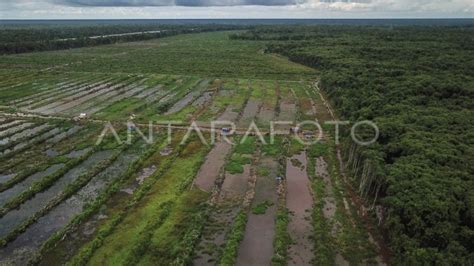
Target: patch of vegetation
{"type": "Point", "coordinates": [234, 238]}
{"type": "Point", "coordinates": [246, 146]}
{"type": "Point", "coordinates": [261, 208]}
{"type": "Point", "coordinates": [263, 171]}
{"type": "Point", "coordinates": [282, 240]}
{"type": "Point", "coordinates": [236, 163]}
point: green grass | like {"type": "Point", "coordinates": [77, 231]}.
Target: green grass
{"type": "Point", "coordinates": [282, 239]}
{"type": "Point", "coordinates": [234, 238]}
{"type": "Point", "coordinates": [118, 245]}
{"type": "Point", "coordinates": [236, 164]}
{"type": "Point", "coordinates": [261, 208]}
{"type": "Point", "coordinates": [187, 54]}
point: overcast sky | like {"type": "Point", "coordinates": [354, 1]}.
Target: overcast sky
{"type": "Point", "coordinates": [170, 9]}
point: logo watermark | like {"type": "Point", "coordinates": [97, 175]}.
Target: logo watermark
{"type": "Point", "coordinates": [305, 132]}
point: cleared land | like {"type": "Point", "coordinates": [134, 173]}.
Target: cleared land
{"type": "Point", "coordinates": [66, 200]}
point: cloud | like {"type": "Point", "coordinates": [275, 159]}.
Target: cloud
{"type": "Point", "coordinates": [188, 3]}
{"type": "Point", "coordinates": [176, 9]}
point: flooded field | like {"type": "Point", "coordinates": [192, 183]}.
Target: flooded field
{"type": "Point", "coordinates": [77, 189]}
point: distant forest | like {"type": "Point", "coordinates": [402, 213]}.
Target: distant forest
{"type": "Point", "coordinates": [24, 39]}
{"type": "Point", "coordinates": [417, 85]}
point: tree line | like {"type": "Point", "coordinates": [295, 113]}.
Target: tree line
{"type": "Point", "coordinates": [417, 84]}
{"type": "Point", "coordinates": [25, 39]}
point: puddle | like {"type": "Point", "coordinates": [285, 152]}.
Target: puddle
{"type": "Point", "coordinates": [6, 195]}
{"type": "Point", "coordinates": [75, 94]}
{"type": "Point", "coordinates": [287, 111]}
{"type": "Point", "coordinates": [27, 243]}
{"type": "Point", "coordinates": [9, 124]}
{"type": "Point", "coordinates": [166, 151]}
{"type": "Point", "coordinates": [249, 113]}
{"type": "Point", "coordinates": [51, 153]}
{"type": "Point", "coordinates": [210, 170]}
{"type": "Point", "coordinates": [26, 143]}
{"type": "Point", "coordinates": [256, 247]}
{"type": "Point", "coordinates": [78, 153]}
{"type": "Point", "coordinates": [229, 115]}
{"type": "Point", "coordinates": [167, 98]}
{"type": "Point", "coordinates": [25, 134]}
{"type": "Point", "coordinates": [146, 173]}
{"type": "Point", "coordinates": [213, 239]}
{"type": "Point", "coordinates": [15, 217]}
{"type": "Point", "coordinates": [15, 129]}
{"type": "Point", "coordinates": [235, 185]}
{"type": "Point", "coordinates": [265, 115]}
{"type": "Point", "coordinates": [64, 135]}
{"type": "Point", "coordinates": [5, 178]}
{"type": "Point", "coordinates": [205, 98]}
{"type": "Point", "coordinates": [80, 100]}
{"type": "Point", "coordinates": [182, 103]}
{"type": "Point", "coordinates": [107, 99]}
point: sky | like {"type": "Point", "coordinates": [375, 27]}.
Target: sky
{"type": "Point", "coordinates": [195, 9]}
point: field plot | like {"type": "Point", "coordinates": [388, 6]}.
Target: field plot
{"type": "Point", "coordinates": [67, 198]}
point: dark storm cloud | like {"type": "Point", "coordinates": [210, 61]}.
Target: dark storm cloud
{"type": "Point", "coordinates": [192, 3]}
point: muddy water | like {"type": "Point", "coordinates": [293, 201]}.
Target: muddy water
{"type": "Point", "coordinates": [24, 134]}
{"type": "Point", "coordinates": [15, 129]}
{"type": "Point", "coordinates": [77, 153]}
{"type": "Point", "coordinates": [26, 244]}
{"type": "Point", "coordinates": [15, 217]}
{"type": "Point", "coordinates": [235, 185]}
{"type": "Point", "coordinates": [64, 135]}
{"type": "Point", "coordinates": [55, 98]}
{"type": "Point", "coordinates": [205, 98]}
{"type": "Point", "coordinates": [167, 98]}
{"type": "Point", "coordinates": [91, 95]}
{"type": "Point", "coordinates": [329, 209]}
{"type": "Point", "coordinates": [229, 115]}
{"type": "Point", "coordinates": [329, 201]}
{"type": "Point", "coordinates": [25, 144]}
{"type": "Point", "coordinates": [257, 246]}
{"type": "Point", "coordinates": [249, 114]}
{"type": "Point", "coordinates": [9, 124]}
{"type": "Point", "coordinates": [214, 235]}
{"type": "Point", "coordinates": [146, 173]}
{"type": "Point", "coordinates": [5, 178]}
{"type": "Point", "coordinates": [287, 111]}
{"type": "Point", "coordinates": [157, 96]}
{"type": "Point", "coordinates": [74, 95]}
{"type": "Point", "coordinates": [7, 195]}
{"type": "Point", "coordinates": [182, 103]}
{"type": "Point", "coordinates": [60, 88]}
{"type": "Point", "coordinates": [152, 93]}
{"type": "Point", "coordinates": [51, 153]}
{"type": "Point", "coordinates": [299, 202]}
{"type": "Point", "coordinates": [209, 171]}
{"type": "Point", "coordinates": [216, 229]}
{"type": "Point", "coordinates": [108, 99]}
{"type": "Point", "coordinates": [265, 115]}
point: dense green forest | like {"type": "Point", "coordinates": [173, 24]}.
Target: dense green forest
{"type": "Point", "coordinates": [417, 84]}
{"type": "Point", "coordinates": [34, 38]}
